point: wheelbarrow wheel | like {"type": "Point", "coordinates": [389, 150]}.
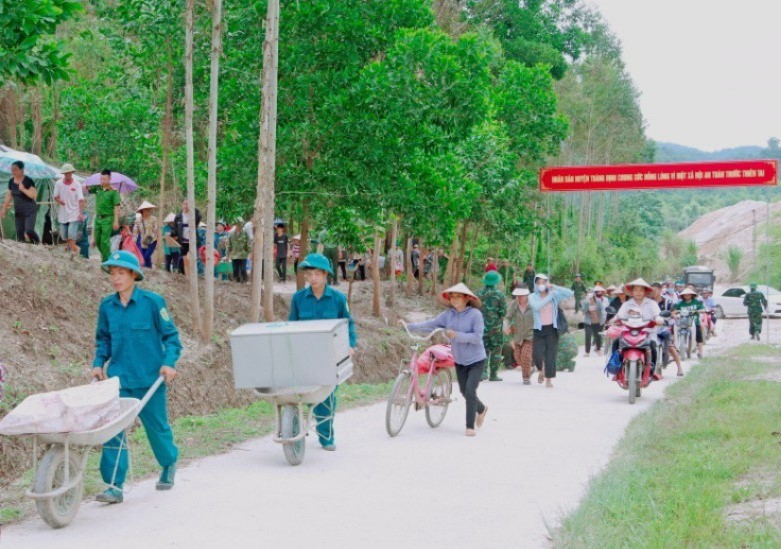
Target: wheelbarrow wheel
{"type": "Point", "coordinates": [291, 427]}
{"type": "Point", "coordinates": [438, 397]}
{"type": "Point", "coordinates": [58, 511]}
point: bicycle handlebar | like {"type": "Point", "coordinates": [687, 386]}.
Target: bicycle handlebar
{"type": "Point", "coordinates": [429, 337]}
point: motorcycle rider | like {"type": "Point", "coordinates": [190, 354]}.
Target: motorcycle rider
{"type": "Point", "coordinates": [665, 334]}
{"type": "Point", "coordinates": [641, 301]}
{"type": "Point", "coordinates": [694, 306]}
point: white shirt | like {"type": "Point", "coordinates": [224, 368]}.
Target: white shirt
{"type": "Point", "coordinates": [71, 195]}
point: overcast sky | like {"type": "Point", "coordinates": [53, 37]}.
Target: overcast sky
{"type": "Point", "coordinates": [709, 73]}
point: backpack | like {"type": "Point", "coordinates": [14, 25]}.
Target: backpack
{"type": "Point", "coordinates": [613, 365]}
{"type": "Point", "coordinates": [562, 326]}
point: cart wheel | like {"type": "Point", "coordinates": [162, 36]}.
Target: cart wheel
{"type": "Point", "coordinates": [399, 402]}
{"type": "Point", "coordinates": [291, 427]}
{"type": "Point", "coordinates": [61, 510]}
{"type": "Point", "coordinates": [438, 397]}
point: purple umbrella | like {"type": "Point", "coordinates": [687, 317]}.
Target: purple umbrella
{"type": "Point", "coordinates": [119, 181]}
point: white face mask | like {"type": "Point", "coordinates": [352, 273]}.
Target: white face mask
{"type": "Point", "coordinates": [542, 287]}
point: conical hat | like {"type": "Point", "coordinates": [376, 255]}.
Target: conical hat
{"type": "Point", "coordinates": [170, 218]}
{"type": "Point", "coordinates": [146, 206]}
{"type": "Point", "coordinates": [462, 288]}
{"type": "Point", "coordinates": [687, 291]}
{"type": "Point", "coordinates": [637, 282]}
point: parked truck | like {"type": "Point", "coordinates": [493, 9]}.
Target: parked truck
{"type": "Point", "coordinates": [699, 276]}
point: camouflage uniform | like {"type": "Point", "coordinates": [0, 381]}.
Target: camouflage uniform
{"type": "Point", "coordinates": [494, 309]}
{"type": "Point", "coordinates": [568, 350]}
{"type": "Point", "coordinates": [580, 290]}
{"type": "Point", "coordinates": [756, 303]}
{"type": "Point", "coordinates": [528, 279]}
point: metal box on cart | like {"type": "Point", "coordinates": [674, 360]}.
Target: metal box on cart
{"type": "Point", "coordinates": [277, 355]}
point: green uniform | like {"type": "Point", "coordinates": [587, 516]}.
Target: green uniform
{"type": "Point", "coordinates": [580, 290]}
{"type": "Point", "coordinates": [494, 309]}
{"type": "Point", "coordinates": [755, 302]}
{"type": "Point", "coordinates": [332, 253]}
{"type": "Point", "coordinates": [238, 245]}
{"type": "Point", "coordinates": [136, 340]}
{"type": "Point", "coordinates": [332, 304]}
{"type": "Point", "coordinates": [105, 202]}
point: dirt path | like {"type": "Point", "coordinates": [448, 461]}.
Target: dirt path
{"type": "Point", "coordinates": [527, 467]}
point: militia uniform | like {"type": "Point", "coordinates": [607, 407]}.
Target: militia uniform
{"type": "Point", "coordinates": [580, 290]}
{"type": "Point", "coordinates": [494, 310]}
{"type": "Point", "coordinates": [755, 302]}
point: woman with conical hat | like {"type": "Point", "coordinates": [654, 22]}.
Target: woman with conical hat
{"type": "Point", "coordinates": [639, 292]}
{"type": "Point", "coordinates": [464, 326]}
{"type": "Point", "coordinates": [146, 231]}
{"type": "Point", "coordinates": [689, 303]}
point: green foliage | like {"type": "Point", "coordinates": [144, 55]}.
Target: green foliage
{"type": "Point", "coordinates": [28, 51]}
{"type": "Point", "coordinates": [734, 255]}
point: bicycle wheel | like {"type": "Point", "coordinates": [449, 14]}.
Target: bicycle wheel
{"type": "Point", "coordinates": [399, 402]}
{"type": "Point", "coordinates": [58, 511]}
{"type": "Point", "coordinates": [291, 427]}
{"type": "Point", "coordinates": [632, 379]}
{"type": "Point", "coordinates": [438, 396]}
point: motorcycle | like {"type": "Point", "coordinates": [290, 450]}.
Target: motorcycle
{"type": "Point", "coordinates": [706, 324]}
{"type": "Point", "coordinates": [634, 337]}
{"type": "Point", "coordinates": [684, 337]}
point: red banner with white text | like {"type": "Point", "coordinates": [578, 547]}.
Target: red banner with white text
{"type": "Point", "coordinates": [633, 177]}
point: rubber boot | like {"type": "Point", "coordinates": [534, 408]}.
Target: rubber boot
{"type": "Point", "coordinates": [494, 368]}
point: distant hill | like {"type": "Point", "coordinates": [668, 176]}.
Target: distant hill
{"type": "Point", "coordinates": [671, 152]}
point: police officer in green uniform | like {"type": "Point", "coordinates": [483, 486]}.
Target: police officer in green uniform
{"type": "Point", "coordinates": [138, 339]}
{"type": "Point", "coordinates": [579, 287]}
{"type": "Point", "coordinates": [320, 301]}
{"type": "Point", "coordinates": [494, 309]}
{"type": "Point", "coordinates": [756, 303]}
{"type": "Point", "coordinates": [106, 214]}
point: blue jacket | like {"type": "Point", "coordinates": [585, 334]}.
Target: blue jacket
{"type": "Point", "coordinates": [137, 339]}
{"type": "Point", "coordinates": [468, 325]}
{"type": "Point", "coordinates": [332, 304]}
{"type": "Point", "coordinates": [537, 302]}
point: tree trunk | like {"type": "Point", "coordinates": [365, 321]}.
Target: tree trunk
{"type": "Point", "coordinates": [211, 177]}
{"type": "Point", "coordinates": [459, 266]}
{"type": "Point", "coordinates": [37, 142]}
{"type": "Point", "coordinates": [8, 117]}
{"type": "Point", "coordinates": [190, 263]}
{"type": "Point", "coordinates": [303, 244]}
{"type": "Point", "coordinates": [410, 269]}
{"type": "Point", "coordinates": [450, 270]}
{"type": "Point", "coordinates": [435, 272]}
{"type": "Point", "coordinates": [55, 133]}
{"type": "Point", "coordinates": [601, 216]}
{"type": "Point", "coordinates": [165, 143]}
{"type": "Point", "coordinates": [376, 310]}
{"type": "Point", "coordinates": [581, 221]}
{"type": "Point", "coordinates": [468, 269]}
{"type": "Point", "coordinates": [264, 205]}
{"type": "Point", "coordinates": [392, 273]}
{"type": "Point", "coordinates": [421, 262]}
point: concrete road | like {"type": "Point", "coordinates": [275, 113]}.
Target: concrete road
{"type": "Point", "coordinates": [527, 468]}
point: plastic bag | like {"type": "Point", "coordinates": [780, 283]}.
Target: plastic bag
{"type": "Point", "coordinates": [69, 410]}
{"type": "Point", "coordinates": [613, 365]}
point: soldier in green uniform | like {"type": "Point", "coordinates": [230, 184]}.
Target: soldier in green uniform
{"type": "Point", "coordinates": [580, 290]}
{"type": "Point", "coordinates": [756, 303]}
{"type": "Point", "coordinates": [494, 309]}
{"type": "Point", "coordinates": [106, 214]}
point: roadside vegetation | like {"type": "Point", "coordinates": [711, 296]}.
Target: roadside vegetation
{"type": "Point", "coordinates": [699, 470]}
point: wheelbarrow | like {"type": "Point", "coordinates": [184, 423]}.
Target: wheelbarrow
{"type": "Point", "coordinates": [292, 365]}
{"type": "Point", "coordinates": [293, 418]}
{"type": "Point", "coordinates": [58, 484]}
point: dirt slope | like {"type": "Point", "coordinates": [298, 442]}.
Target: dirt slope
{"type": "Point", "coordinates": [48, 310]}
{"type": "Point", "coordinates": [734, 225]}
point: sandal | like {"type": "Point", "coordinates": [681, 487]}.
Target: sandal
{"type": "Point", "coordinates": [470, 432]}
{"type": "Point", "coordinates": [541, 377]}
{"type": "Point", "coordinates": [481, 417]}
{"type": "Point", "coordinates": [680, 374]}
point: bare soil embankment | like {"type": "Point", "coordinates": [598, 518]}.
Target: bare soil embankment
{"type": "Point", "coordinates": [48, 311]}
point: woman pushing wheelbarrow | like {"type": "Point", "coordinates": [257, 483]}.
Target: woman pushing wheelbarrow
{"type": "Point", "coordinates": [139, 341]}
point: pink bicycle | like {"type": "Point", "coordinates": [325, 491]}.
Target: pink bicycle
{"type": "Point", "coordinates": [426, 380]}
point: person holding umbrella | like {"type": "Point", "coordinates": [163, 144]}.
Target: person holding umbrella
{"type": "Point", "coordinates": [106, 214]}
{"type": "Point", "coordinates": [23, 192]}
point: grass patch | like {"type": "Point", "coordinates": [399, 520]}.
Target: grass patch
{"type": "Point", "coordinates": [685, 461]}
{"type": "Point", "coordinates": [196, 437]}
